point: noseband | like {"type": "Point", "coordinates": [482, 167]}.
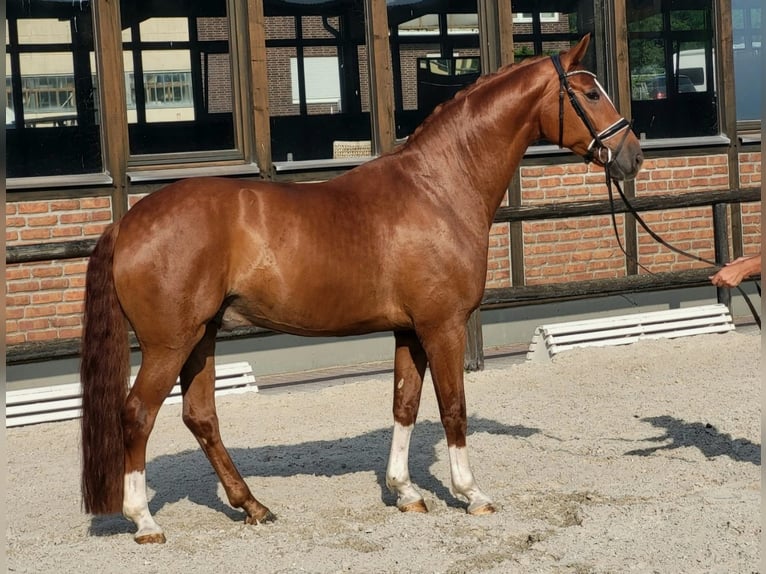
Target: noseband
{"type": "Point", "coordinates": [596, 150]}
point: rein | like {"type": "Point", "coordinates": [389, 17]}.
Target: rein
{"type": "Point", "coordinates": [597, 144]}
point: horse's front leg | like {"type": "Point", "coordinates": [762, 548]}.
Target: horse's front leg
{"type": "Point", "coordinates": [409, 368]}
{"type": "Point", "coordinates": [445, 348]}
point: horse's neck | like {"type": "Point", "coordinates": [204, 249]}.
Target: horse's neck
{"type": "Point", "coordinates": [475, 145]}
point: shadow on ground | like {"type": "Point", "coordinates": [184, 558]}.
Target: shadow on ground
{"type": "Point", "coordinates": [705, 437]}
{"type": "Point", "coordinates": [193, 477]}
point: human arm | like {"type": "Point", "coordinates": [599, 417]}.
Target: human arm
{"type": "Point", "coordinates": [734, 272]}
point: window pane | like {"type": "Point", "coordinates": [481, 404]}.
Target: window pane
{"type": "Point", "coordinates": [672, 72]}
{"type": "Point", "coordinates": [543, 33]}
{"type": "Point", "coordinates": [537, 33]}
{"type": "Point", "coordinates": [748, 63]}
{"type": "Point", "coordinates": [44, 31]}
{"type": "Point", "coordinates": [178, 77]}
{"type": "Point", "coordinates": [318, 85]}
{"type": "Point", "coordinates": [435, 53]}
{"type": "Point", "coordinates": [51, 115]}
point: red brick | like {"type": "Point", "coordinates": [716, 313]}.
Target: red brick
{"type": "Point", "coordinates": [22, 286]}
{"type": "Point", "coordinates": [77, 217]}
{"type": "Point", "coordinates": [65, 205]}
{"type": "Point", "coordinates": [46, 271]}
{"type": "Point", "coordinates": [69, 308]}
{"type": "Point", "coordinates": [46, 297]}
{"type": "Point", "coordinates": [34, 207]}
{"type": "Point", "coordinates": [40, 311]}
{"type": "Point", "coordinates": [54, 283]}
{"type": "Point", "coordinates": [35, 234]}
{"type": "Point", "coordinates": [94, 202]}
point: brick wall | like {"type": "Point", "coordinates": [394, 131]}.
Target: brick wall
{"type": "Point", "coordinates": [750, 176]}
{"type": "Point", "coordinates": [687, 229]}
{"type": "Point", "coordinates": [44, 300]}
{"type": "Point", "coordinates": [572, 249]}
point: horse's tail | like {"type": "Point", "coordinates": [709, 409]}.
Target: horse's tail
{"type": "Point", "coordinates": [104, 371]}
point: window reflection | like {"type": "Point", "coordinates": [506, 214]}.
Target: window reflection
{"type": "Point", "coordinates": [543, 33]}
{"type": "Point", "coordinates": [748, 63]}
{"type": "Point", "coordinates": [178, 77]}
{"type": "Point", "coordinates": [51, 115]}
{"type": "Point", "coordinates": [672, 72]}
{"type": "Point", "coordinates": [434, 52]}
{"type": "Point", "coordinates": [318, 80]}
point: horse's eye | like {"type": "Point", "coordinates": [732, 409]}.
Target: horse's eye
{"type": "Point", "coordinates": [593, 95]}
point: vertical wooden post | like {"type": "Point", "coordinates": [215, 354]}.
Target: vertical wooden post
{"type": "Point", "coordinates": [721, 238]}
{"type": "Point", "coordinates": [381, 77]}
{"type": "Point", "coordinates": [113, 104]}
{"type": "Point", "coordinates": [724, 69]}
{"type": "Point", "coordinates": [256, 26]}
{"type": "Point", "coordinates": [515, 228]}
{"type": "Point", "coordinates": [474, 347]}
{"type": "Point", "coordinates": [505, 21]}
{"type": "Point", "coordinates": [492, 17]}
{"type": "Point", "coordinates": [619, 40]}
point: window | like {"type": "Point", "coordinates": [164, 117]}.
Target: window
{"type": "Point", "coordinates": [178, 80]}
{"type": "Point", "coordinates": [318, 79]}
{"type": "Point", "coordinates": [748, 63]}
{"type": "Point", "coordinates": [322, 80]}
{"type": "Point", "coordinates": [672, 71]}
{"type": "Point", "coordinates": [529, 17]}
{"type": "Point", "coordinates": [434, 52]}
{"type": "Point", "coordinates": [52, 124]}
{"type": "Point", "coordinates": [537, 33]}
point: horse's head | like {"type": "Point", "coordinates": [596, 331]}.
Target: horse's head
{"type": "Point", "coordinates": [577, 113]}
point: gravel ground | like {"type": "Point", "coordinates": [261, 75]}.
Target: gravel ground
{"type": "Point", "coordinates": [643, 458]}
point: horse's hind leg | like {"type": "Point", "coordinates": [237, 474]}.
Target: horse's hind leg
{"type": "Point", "coordinates": [445, 348]}
{"type": "Point", "coordinates": [409, 368]}
{"type": "Point", "coordinates": [199, 414]}
{"type": "Point", "coordinates": [155, 379]}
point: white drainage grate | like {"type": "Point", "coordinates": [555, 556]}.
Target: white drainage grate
{"type": "Point", "coordinates": [62, 402]}
{"type": "Point", "coordinates": [549, 340]}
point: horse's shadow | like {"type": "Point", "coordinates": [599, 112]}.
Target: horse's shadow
{"type": "Point", "coordinates": [194, 479]}
{"type": "Point", "coordinates": [705, 437]}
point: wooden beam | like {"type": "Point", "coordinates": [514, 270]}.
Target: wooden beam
{"type": "Point", "coordinates": [381, 77]}
{"type": "Point", "coordinates": [260, 86]}
{"type": "Point", "coordinates": [113, 101]}
{"type": "Point", "coordinates": [646, 203]}
{"type": "Point", "coordinates": [505, 20]}
{"type": "Point", "coordinates": [724, 68]}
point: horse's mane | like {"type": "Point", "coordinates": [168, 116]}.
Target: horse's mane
{"type": "Point", "coordinates": [506, 70]}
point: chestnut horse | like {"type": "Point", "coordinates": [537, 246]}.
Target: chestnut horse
{"type": "Point", "coordinates": [397, 244]}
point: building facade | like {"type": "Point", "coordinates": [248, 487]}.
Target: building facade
{"type": "Point", "coordinates": [107, 102]}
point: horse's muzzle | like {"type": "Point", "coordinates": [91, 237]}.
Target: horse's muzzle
{"type": "Point", "coordinates": [626, 164]}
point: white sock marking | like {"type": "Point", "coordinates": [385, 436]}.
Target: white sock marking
{"type": "Point", "coordinates": [135, 505]}
{"type": "Point", "coordinates": [398, 473]}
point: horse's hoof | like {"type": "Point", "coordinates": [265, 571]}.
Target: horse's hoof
{"type": "Point", "coordinates": [153, 538]}
{"type": "Point", "coordinates": [483, 510]}
{"type": "Point", "coordinates": [417, 506]}
{"type": "Point", "coordinates": [267, 516]}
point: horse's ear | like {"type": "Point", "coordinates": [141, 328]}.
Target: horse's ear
{"type": "Point", "coordinates": [574, 56]}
